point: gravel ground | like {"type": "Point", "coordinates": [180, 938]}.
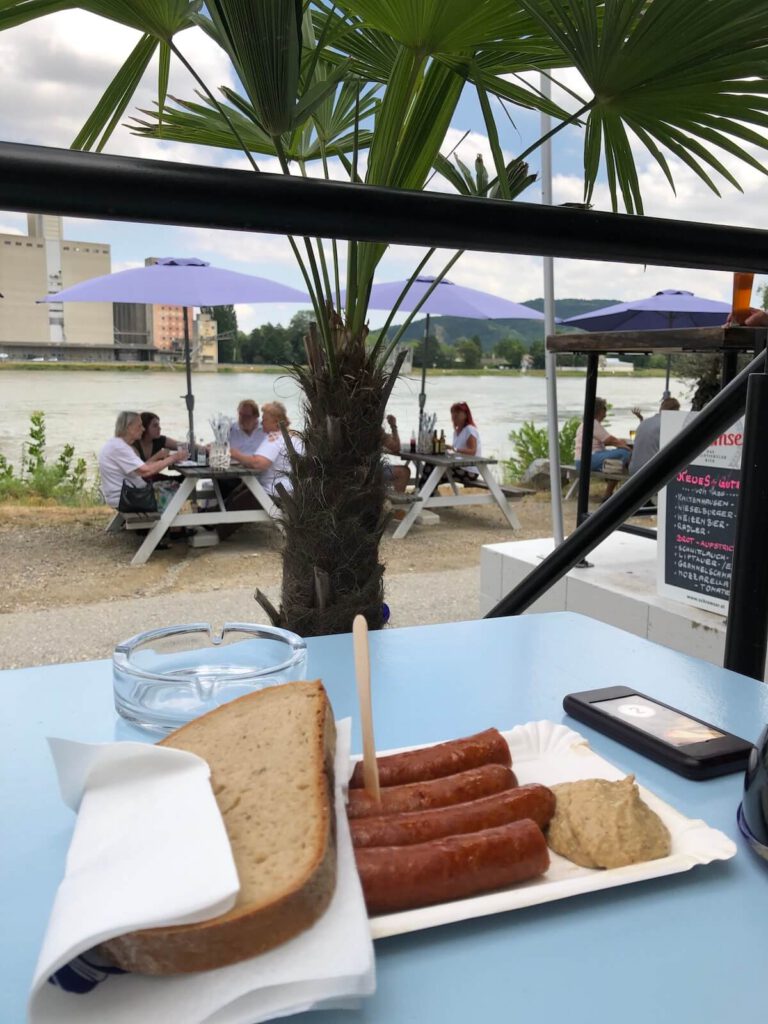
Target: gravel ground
{"type": "Point", "coordinates": [70, 592]}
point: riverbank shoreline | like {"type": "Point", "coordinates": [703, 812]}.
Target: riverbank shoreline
{"type": "Point", "coordinates": [11, 365]}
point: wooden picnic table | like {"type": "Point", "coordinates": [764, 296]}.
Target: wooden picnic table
{"type": "Point", "coordinates": [191, 473]}
{"type": "Point", "coordinates": [442, 467]}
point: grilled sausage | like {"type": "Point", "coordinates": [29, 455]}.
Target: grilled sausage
{"type": "Point", "coordinates": [401, 877]}
{"type": "Point", "coordinates": [453, 789]}
{"type": "Point", "coordinates": [435, 762]}
{"type": "Point", "coordinates": [533, 801]}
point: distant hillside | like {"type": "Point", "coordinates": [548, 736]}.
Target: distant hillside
{"type": "Point", "coordinates": [449, 329]}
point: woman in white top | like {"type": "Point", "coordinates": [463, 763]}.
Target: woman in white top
{"type": "Point", "coordinates": [271, 461]}
{"type": "Point", "coordinates": [466, 438]}
{"type": "Point", "coordinates": [271, 458]}
{"type": "Point", "coordinates": [118, 460]}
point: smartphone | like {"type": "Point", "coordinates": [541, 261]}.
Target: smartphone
{"type": "Point", "coordinates": [680, 742]}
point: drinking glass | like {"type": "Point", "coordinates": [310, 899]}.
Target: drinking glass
{"type": "Point", "coordinates": [742, 296]}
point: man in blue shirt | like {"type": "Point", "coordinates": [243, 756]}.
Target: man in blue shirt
{"type": "Point", "coordinates": [246, 435]}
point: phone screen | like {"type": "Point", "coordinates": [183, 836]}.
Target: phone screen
{"type": "Point", "coordinates": [664, 723]}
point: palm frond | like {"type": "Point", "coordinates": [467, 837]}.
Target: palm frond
{"type": "Point", "coordinates": [264, 42]}
{"type": "Point", "coordinates": [158, 21]}
{"type": "Point", "coordinates": [683, 75]}
{"type": "Point", "coordinates": [449, 26]}
{"type": "Point", "coordinates": [371, 53]}
{"type": "Point", "coordinates": [202, 124]}
{"type": "Point", "coordinates": [160, 18]}
{"type": "Point", "coordinates": [19, 12]}
{"type": "Point", "coordinates": [107, 113]}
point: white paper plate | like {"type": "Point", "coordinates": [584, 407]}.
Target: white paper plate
{"type": "Point", "coordinates": [548, 753]}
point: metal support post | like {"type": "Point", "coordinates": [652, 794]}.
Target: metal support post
{"type": "Point", "coordinates": [189, 398]}
{"type": "Point", "coordinates": [728, 367]}
{"type": "Point", "coordinates": [423, 392]}
{"type": "Point", "coordinates": [746, 634]}
{"type": "Point", "coordinates": [585, 468]}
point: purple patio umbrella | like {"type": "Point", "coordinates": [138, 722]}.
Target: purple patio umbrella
{"type": "Point", "coordinates": [447, 299]}
{"type": "Point", "coordinates": [175, 281]}
{"type": "Point", "coordinates": [660, 312]}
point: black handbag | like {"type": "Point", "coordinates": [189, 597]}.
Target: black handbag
{"type": "Point", "coordinates": [138, 498]}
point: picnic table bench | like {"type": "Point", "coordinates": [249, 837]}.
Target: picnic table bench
{"type": "Point", "coordinates": [510, 492]}
{"type": "Point", "coordinates": [572, 475]}
{"type": "Point", "coordinates": [440, 469]}
{"type": "Point", "coordinates": [131, 521]}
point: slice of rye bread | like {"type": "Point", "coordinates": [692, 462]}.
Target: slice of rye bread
{"type": "Point", "coordinates": [271, 758]}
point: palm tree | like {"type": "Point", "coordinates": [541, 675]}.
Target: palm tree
{"type": "Point", "coordinates": [372, 88]}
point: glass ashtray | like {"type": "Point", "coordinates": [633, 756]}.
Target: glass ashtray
{"type": "Point", "coordinates": [165, 677]}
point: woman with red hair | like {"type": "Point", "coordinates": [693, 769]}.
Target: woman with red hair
{"type": "Point", "coordinates": [466, 437]}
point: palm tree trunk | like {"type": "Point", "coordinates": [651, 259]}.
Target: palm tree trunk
{"type": "Point", "coordinates": [334, 519]}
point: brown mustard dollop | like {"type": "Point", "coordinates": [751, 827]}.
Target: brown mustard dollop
{"type": "Point", "coordinates": [602, 824]}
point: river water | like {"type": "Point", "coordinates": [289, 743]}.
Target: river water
{"type": "Point", "coordinates": [80, 406]}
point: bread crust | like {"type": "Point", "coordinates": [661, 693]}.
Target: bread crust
{"type": "Point", "coordinates": [245, 930]}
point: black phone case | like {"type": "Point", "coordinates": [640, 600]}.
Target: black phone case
{"type": "Point", "coordinates": [697, 761]}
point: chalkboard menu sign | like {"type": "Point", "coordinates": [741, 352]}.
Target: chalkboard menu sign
{"type": "Point", "coordinates": [697, 520]}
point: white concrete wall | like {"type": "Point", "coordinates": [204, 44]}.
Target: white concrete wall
{"type": "Point", "coordinates": [619, 588]}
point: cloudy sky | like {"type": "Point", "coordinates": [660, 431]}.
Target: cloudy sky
{"type": "Point", "coordinates": [55, 69]}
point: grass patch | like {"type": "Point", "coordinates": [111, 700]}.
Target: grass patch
{"type": "Point", "coordinates": [37, 481]}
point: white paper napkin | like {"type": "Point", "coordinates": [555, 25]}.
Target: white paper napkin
{"type": "Point", "coordinates": [330, 965]}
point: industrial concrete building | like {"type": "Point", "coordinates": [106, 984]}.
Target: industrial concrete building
{"type": "Point", "coordinates": [206, 337]}
{"type": "Point", "coordinates": [40, 262]}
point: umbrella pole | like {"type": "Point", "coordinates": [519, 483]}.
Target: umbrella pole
{"type": "Point", "coordinates": [189, 398]}
{"type": "Point", "coordinates": [550, 359]}
{"type": "Point", "coordinates": [669, 361]}
{"type": "Point", "coordinates": [423, 392]}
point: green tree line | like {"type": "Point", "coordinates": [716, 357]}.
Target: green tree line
{"type": "Point", "coordinates": [269, 343]}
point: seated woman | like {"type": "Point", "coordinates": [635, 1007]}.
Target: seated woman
{"type": "Point", "coordinates": [151, 446]}
{"type": "Point", "coordinates": [395, 477]}
{"type": "Point", "coordinates": [601, 440]}
{"type": "Point", "coordinates": [271, 461]}
{"type": "Point", "coordinates": [151, 443]}
{"type": "Point", "coordinates": [466, 441]}
{"type": "Point", "coordinates": [119, 461]}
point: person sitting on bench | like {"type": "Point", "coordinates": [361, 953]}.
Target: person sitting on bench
{"type": "Point", "coordinates": [118, 460]}
{"type": "Point", "coordinates": [647, 438]}
{"type": "Point", "coordinates": [272, 462]}
{"type": "Point", "coordinates": [466, 441]}
{"type": "Point", "coordinates": [395, 477]}
{"type": "Point", "coordinates": [604, 446]}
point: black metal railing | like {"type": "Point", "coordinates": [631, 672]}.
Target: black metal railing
{"type": "Point", "coordinates": [109, 187]}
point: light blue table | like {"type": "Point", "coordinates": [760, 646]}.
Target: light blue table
{"type": "Point", "coordinates": [688, 948]}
